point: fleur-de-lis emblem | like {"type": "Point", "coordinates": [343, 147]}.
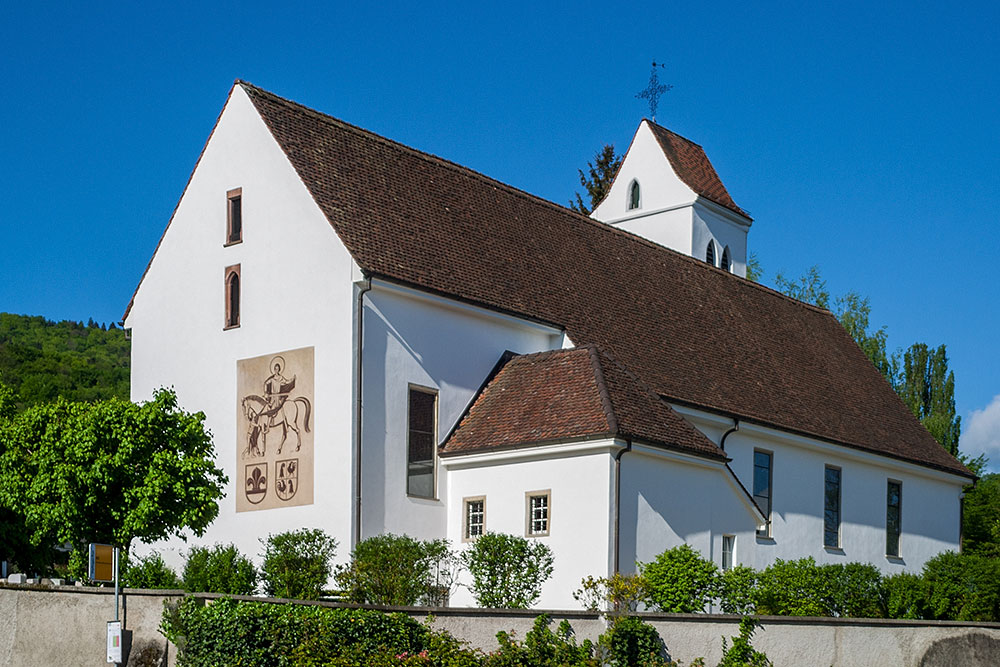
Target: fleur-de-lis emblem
{"type": "Point", "coordinates": [256, 482]}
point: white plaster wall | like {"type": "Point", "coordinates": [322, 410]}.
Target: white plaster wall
{"type": "Point", "coordinates": [930, 499]}
{"type": "Point", "coordinates": [660, 188]}
{"type": "Point", "coordinates": [580, 513]}
{"type": "Point", "coordinates": [711, 224]}
{"type": "Point", "coordinates": [668, 500]}
{"type": "Point", "coordinates": [411, 338]}
{"type": "Point", "coordinates": [296, 292]}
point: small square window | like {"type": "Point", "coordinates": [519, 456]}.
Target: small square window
{"type": "Point", "coordinates": [234, 216]}
{"type": "Point", "coordinates": [538, 513]}
{"type": "Point", "coordinates": [474, 518]}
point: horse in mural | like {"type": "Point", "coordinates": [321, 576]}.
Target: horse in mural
{"type": "Point", "coordinates": [263, 416]}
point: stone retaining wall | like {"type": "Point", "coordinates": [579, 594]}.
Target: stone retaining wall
{"type": "Point", "coordinates": [66, 625]}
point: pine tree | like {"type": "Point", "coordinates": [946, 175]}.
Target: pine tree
{"type": "Point", "coordinates": [597, 182]}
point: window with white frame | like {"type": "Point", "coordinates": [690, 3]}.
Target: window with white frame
{"type": "Point", "coordinates": [474, 517]}
{"type": "Point", "coordinates": [538, 507]}
{"type": "Point", "coordinates": [728, 551]}
{"type": "Point", "coordinates": [421, 439]}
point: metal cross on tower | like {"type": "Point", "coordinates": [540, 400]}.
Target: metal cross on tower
{"type": "Point", "coordinates": [653, 90]}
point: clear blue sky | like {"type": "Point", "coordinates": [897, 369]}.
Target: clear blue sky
{"type": "Point", "coordinates": [863, 138]}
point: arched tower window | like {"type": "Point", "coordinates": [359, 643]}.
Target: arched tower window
{"type": "Point", "coordinates": [633, 195]}
{"type": "Point", "coordinates": [727, 262]}
{"type": "Point", "coordinates": [710, 253]}
{"type": "Point", "coordinates": [232, 296]}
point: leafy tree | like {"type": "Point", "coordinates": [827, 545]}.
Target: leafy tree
{"type": "Point", "coordinates": [962, 587]}
{"type": "Point", "coordinates": [928, 389]}
{"type": "Point", "coordinates": [736, 590]}
{"type": "Point", "coordinates": [681, 581]}
{"type": "Point", "coordinates": [108, 472]}
{"type": "Point", "coordinates": [597, 181]}
{"type": "Point", "coordinates": [904, 595]}
{"type": "Point", "coordinates": [219, 569]}
{"type": "Point", "coordinates": [297, 563]}
{"type": "Point", "coordinates": [617, 594]}
{"type": "Point", "coordinates": [810, 288]}
{"type": "Point", "coordinates": [981, 526]}
{"type": "Point", "coordinates": [791, 588]}
{"type": "Point", "coordinates": [631, 641]}
{"type": "Point", "coordinates": [507, 570]}
{"type": "Point", "coordinates": [397, 570]}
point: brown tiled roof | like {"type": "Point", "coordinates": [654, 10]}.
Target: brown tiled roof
{"type": "Point", "coordinates": [693, 333]}
{"type": "Point", "coordinates": [693, 167]}
{"type": "Point", "coordinates": [570, 394]}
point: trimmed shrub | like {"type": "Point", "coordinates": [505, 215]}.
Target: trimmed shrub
{"type": "Point", "coordinates": [228, 633]}
{"type": "Point", "coordinates": [680, 580]}
{"type": "Point", "coordinates": [904, 595]}
{"type": "Point", "coordinates": [853, 589]}
{"type": "Point", "coordinates": [507, 570]}
{"type": "Point", "coordinates": [296, 564]}
{"type": "Point", "coordinates": [737, 588]}
{"type": "Point", "coordinates": [398, 570]}
{"type": "Point", "coordinates": [219, 569]}
{"type": "Point", "coordinates": [631, 641]}
{"type": "Point", "coordinates": [148, 572]}
{"type": "Point", "coordinates": [791, 588]}
{"type": "Point", "coordinates": [962, 587]}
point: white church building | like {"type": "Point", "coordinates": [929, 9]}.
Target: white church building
{"type": "Point", "coordinates": [385, 341]}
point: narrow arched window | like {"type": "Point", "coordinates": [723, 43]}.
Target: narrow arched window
{"type": "Point", "coordinates": [633, 195]}
{"type": "Point", "coordinates": [710, 253]}
{"type": "Point", "coordinates": [232, 296]}
{"type": "Point", "coordinates": [727, 262]}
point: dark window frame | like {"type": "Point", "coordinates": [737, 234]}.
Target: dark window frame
{"type": "Point", "coordinates": [832, 506]}
{"type": "Point", "coordinates": [893, 529]}
{"type": "Point", "coordinates": [727, 260]}
{"type": "Point", "coordinates": [411, 430]}
{"type": "Point", "coordinates": [769, 496]}
{"type": "Point", "coordinates": [233, 298]}
{"type": "Point", "coordinates": [710, 253]}
{"type": "Point", "coordinates": [234, 217]}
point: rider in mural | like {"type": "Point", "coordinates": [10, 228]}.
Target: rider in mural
{"type": "Point", "coordinates": [276, 388]}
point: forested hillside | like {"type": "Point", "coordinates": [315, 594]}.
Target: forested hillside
{"type": "Point", "coordinates": [42, 360]}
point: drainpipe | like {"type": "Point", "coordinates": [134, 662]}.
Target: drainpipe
{"type": "Point", "coordinates": [618, 500]}
{"type": "Point", "coordinates": [736, 427]}
{"type": "Point", "coordinates": [357, 406]}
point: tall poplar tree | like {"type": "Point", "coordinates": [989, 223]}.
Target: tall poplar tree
{"type": "Point", "coordinates": [928, 389]}
{"type": "Point", "coordinates": [597, 181]}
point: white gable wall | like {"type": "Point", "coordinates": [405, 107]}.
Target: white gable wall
{"type": "Point", "coordinates": [664, 215]}
{"type": "Point", "coordinates": [725, 229]}
{"type": "Point", "coordinates": [930, 499]}
{"type": "Point", "coordinates": [411, 337]}
{"type": "Point", "coordinates": [296, 292]}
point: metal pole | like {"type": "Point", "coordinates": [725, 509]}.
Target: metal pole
{"type": "Point", "coordinates": [116, 583]}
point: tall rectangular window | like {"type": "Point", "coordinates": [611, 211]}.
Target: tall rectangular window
{"type": "Point", "coordinates": [234, 216]}
{"type": "Point", "coordinates": [233, 296]}
{"type": "Point", "coordinates": [893, 517]}
{"type": "Point", "coordinates": [537, 510]}
{"type": "Point", "coordinates": [474, 518]}
{"type": "Point", "coordinates": [831, 507]}
{"type": "Point", "coordinates": [728, 549]}
{"type": "Point", "coordinates": [762, 487]}
{"type": "Point", "coordinates": [421, 440]}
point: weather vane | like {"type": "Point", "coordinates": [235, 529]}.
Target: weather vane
{"type": "Point", "coordinates": [654, 90]}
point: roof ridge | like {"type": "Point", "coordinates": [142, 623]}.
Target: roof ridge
{"type": "Point", "coordinates": [676, 134]}
{"type": "Point", "coordinates": [602, 387]}
{"type": "Point", "coordinates": [597, 224]}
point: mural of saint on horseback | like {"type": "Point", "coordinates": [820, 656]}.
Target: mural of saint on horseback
{"type": "Point", "coordinates": [275, 449]}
